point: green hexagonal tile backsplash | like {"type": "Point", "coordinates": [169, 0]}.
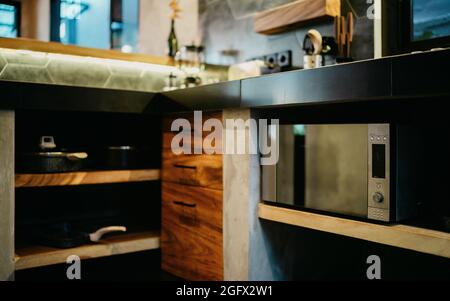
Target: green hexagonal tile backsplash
{"type": "Point", "coordinates": [23, 73]}
{"type": "Point", "coordinates": [25, 57]}
{"type": "Point", "coordinates": [78, 73]}
{"type": "Point", "coordinates": [2, 63]}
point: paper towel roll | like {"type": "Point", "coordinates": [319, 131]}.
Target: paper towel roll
{"type": "Point", "coordinates": [245, 70]}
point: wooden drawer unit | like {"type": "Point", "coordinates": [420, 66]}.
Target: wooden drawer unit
{"type": "Point", "coordinates": [191, 239]}
{"type": "Point", "coordinates": [196, 140]}
{"type": "Point", "coordinates": [197, 170]}
{"type": "Point", "coordinates": [192, 192]}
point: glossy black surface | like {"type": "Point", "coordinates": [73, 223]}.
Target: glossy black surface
{"type": "Point", "coordinates": [208, 97]}
{"type": "Point", "coordinates": [422, 75]}
{"type": "Point", "coordinates": [31, 96]}
{"type": "Point", "coordinates": [355, 81]}
{"type": "Point", "coordinates": [399, 78]}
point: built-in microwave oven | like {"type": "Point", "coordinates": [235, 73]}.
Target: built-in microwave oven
{"type": "Point", "coordinates": [370, 171]}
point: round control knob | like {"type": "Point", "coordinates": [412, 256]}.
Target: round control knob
{"type": "Point", "coordinates": [378, 197]}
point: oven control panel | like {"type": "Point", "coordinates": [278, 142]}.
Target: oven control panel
{"type": "Point", "coordinates": [378, 172]}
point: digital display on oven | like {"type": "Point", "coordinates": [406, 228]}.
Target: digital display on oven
{"type": "Point", "coordinates": [379, 161]}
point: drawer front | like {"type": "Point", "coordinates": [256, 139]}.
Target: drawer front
{"type": "Point", "coordinates": [198, 137]}
{"type": "Point", "coordinates": [191, 238]}
{"type": "Point", "coordinates": [196, 170]}
{"type": "Point", "coordinates": [202, 141]}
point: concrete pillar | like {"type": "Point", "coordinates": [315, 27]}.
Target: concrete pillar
{"type": "Point", "coordinates": [6, 195]}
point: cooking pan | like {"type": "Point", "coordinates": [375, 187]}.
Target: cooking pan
{"type": "Point", "coordinates": [50, 160]}
{"type": "Point", "coordinates": [122, 157]}
{"type": "Point", "coordinates": [66, 235]}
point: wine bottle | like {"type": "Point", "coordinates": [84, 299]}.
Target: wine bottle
{"type": "Point", "coordinates": [173, 41]}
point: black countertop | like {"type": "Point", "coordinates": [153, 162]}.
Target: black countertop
{"type": "Point", "coordinates": [418, 75]}
{"type": "Point", "coordinates": [31, 96]}
{"type": "Point", "coordinates": [423, 75]}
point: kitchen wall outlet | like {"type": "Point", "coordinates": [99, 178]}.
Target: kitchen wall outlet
{"type": "Point", "coordinates": [280, 60]}
{"type": "Point", "coordinates": [271, 59]}
{"type": "Point", "coordinates": [276, 62]}
{"type": "Point", "coordinates": [284, 59]}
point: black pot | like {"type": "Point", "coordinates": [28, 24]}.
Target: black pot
{"type": "Point", "coordinates": [50, 162]}
{"type": "Point", "coordinates": [122, 157]}
{"type": "Point", "coordinates": [49, 159]}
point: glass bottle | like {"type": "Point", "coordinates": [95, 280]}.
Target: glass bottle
{"type": "Point", "coordinates": [190, 61]}
{"type": "Point", "coordinates": [173, 41]}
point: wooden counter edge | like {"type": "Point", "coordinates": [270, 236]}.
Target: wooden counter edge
{"type": "Point", "coordinates": [401, 236]}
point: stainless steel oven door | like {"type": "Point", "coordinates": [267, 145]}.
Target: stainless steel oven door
{"type": "Point", "coordinates": [322, 167]}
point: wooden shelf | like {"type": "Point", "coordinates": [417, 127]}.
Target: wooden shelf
{"type": "Point", "coordinates": [295, 14]}
{"type": "Point", "coordinates": [86, 178]}
{"type": "Point", "coordinates": [406, 237]}
{"type": "Point", "coordinates": [38, 256]}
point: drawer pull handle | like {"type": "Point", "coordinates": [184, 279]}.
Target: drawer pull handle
{"type": "Point", "coordinates": [184, 204]}
{"type": "Point", "coordinates": [185, 166]}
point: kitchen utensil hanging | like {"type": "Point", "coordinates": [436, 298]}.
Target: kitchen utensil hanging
{"type": "Point", "coordinates": [344, 32]}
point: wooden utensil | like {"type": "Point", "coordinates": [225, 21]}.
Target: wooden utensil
{"type": "Point", "coordinates": [343, 36]}
{"type": "Point", "coordinates": [350, 33]}
{"type": "Point", "coordinates": [337, 33]}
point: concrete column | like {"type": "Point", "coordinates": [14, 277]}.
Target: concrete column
{"type": "Point", "coordinates": [241, 194]}
{"type": "Point", "coordinates": [250, 246]}
{"type": "Point", "coordinates": [6, 195]}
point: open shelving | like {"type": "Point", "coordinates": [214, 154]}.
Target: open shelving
{"type": "Point", "coordinates": [40, 256]}
{"type": "Point", "coordinates": [402, 236]}
{"type": "Point", "coordinates": [51, 204]}
{"type": "Point", "coordinates": [292, 15]}
{"type": "Point", "coordinates": [86, 178]}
